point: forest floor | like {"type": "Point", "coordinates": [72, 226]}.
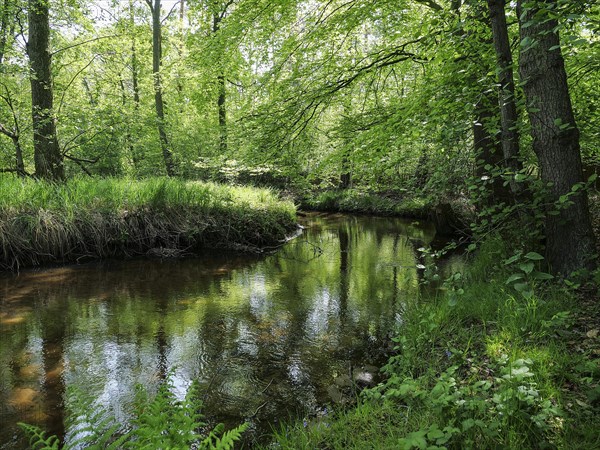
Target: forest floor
{"type": "Point", "coordinates": [83, 219]}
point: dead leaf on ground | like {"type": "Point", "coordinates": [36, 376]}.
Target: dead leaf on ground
{"type": "Point", "coordinates": [593, 333]}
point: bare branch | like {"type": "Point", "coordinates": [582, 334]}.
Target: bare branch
{"type": "Point", "coordinates": [170, 12]}
{"type": "Point", "coordinates": [84, 42]}
{"type": "Point", "coordinates": [62, 98]}
{"type": "Point", "coordinates": [431, 4]}
{"type": "Point", "coordinates": [79, 162]}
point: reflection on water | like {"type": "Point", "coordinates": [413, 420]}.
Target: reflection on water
{"type": "Point", "coordinates": [265, 336]}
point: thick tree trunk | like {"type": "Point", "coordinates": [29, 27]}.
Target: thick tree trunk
{"type": "Point", "coordinates": [570, 239]}
{"type": "Point", "coordinates": [222, 98]}
{"type": "Point", "coordinates": [47, 155]}
{"type": "Point", "coordinates": [158, 94]}
{"type": "Point", "coordinates": [506, 92]}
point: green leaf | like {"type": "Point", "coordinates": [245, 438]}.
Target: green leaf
{"type": "Point", "coordinates": [514, 277]}
{"type": "Point", "coordinates": [521, 287]}
{"type": "Point", "coordinates": [512, 259]}
{"type": "Point", "coordinates": [541, 276]}
{"type": "Point", "coordinates": [526, 267]}
{"type": "Point", "coordinates": [435, 433]}
{"type": "Point", "coordinates": [534, 256]}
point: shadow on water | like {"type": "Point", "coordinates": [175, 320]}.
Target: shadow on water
{"type": "Point", "coordinates": [266, 336]}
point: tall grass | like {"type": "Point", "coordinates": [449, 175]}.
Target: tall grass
{"type": "Point", "coordinates": [42, 222]}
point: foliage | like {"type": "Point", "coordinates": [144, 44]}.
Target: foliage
{"type": "Point", "coordinates": [362, 202]}
{"type": "Point", "coordinates": [161, 421]}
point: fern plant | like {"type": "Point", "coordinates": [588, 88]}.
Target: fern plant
{"type": "Point", "coordinates": [161, 422]}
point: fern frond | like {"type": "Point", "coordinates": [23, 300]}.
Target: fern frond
{"type": "Point", "coordinates": [229, 438]}
{"type": "Point", "coordinates": [38, 439]}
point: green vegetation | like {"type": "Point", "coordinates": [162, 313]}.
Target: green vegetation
{"type": "Point", "coordinates": [360, 202]}
{"type": "Point", "coordinates": [493, 368]}
{"type": "Point", "coordinates": [482, 116]}
{"type": "Point", "coordinates": [160, 421]}
{"type": "Point", "coordinates": [42, 222]}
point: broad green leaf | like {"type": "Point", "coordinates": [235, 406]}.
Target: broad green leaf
{"type": "Point", "coordinates": [514, 277]}
{"type": "Point", "coordinates": [533, 256]}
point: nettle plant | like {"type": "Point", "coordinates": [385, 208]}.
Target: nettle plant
{"type": "Point", "coordinates": [476, 414]}
{"type": "Point", "coordinates": [525, 274]}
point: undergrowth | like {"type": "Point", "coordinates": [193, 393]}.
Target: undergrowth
{"type": "Point", "coordinates": [161, 422]}
{"type": "Point", "coordinates": [44, 223]}
{"type": "Point", "coordinates": [359, 202]}
{"type": "Point", "coordinates": [478, 364]}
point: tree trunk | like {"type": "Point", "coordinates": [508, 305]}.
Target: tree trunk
{"type": "Point", "coordinates": [488, 151]}
{"type": "Point", "coordinates": [221, 101]}
{"type": "Point", "coordinates": [14, 136]}
{"type": "Point", "coordinates": [506, 92]}
{"type": "Point", "coordinates": [570, 239]}
{"type": "Point", "coordinates": [135, 83]}
{"type": "Point", "coordinates": [158, 94]}
{"type": "Point", "coordinates": [4, 21]}
{"type": "Point", "coordinates": [47, 155]}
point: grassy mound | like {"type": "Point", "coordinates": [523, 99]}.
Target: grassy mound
{"type": "Point", "coordinates": [44, 223]}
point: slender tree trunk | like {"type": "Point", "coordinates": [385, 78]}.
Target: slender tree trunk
{"type": "Point", "coordinates": [134, 82]}
{"type": "Point", "coordinates": [4, 23]}
{"type": "Point", "coordinates": [488, 150]}
{"type": "Point", "coordinates": [89, 93]}
{"type": "Point", "coordinates": [47, 155]}
{"type": "Point", "coordinates": [180, 47]}
{"type": "Point", "coordinates": [222, 98]}
{"type": "Point", "coordinates": [158, 94]}
{"type": "Point", "coordinates": [506, 92]}
{"type": "Point", "coordinates": [570, 239]}
{"type": "Point", "coordinates": [14, 137]}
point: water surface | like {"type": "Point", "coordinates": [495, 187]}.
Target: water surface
{"type": "Point", "coordinates": [266, 336]}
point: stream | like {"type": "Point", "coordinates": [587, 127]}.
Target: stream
{"type": "Point", "coordinates": [270, 338]}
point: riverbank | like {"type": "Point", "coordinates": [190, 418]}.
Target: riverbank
{"type": "Point", "coordinates": [451, 216]}
{"type": "Point", "coordinates": [43, 223]}
{"type": "Point", "coordinates": [480, 365]}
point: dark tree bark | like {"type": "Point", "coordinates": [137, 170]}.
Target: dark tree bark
{"type": "Point", "coordinates": [47, 155]}
{"type": "Point", "coordinates": [158, 93]}
{"type": "Point", "coordinates": [506, 92]}
{"type": "Point", "coordinates": [570, 239]}
{"type": "Point", "coordinates": [222, 97]}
